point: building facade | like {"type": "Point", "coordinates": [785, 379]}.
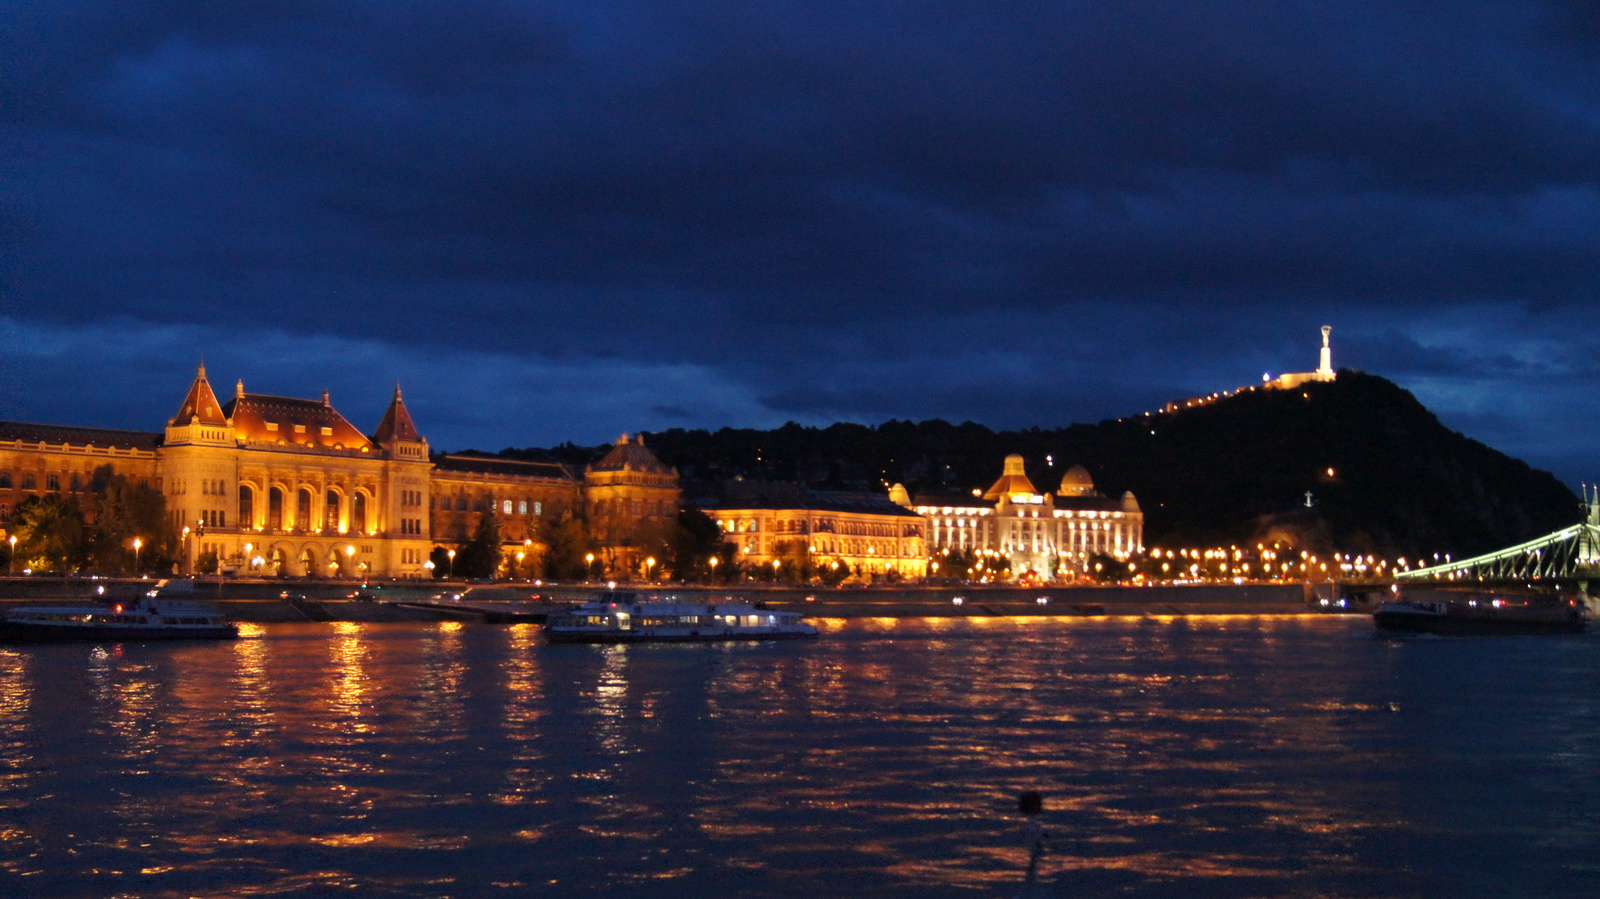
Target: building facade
{"type": "Point", "coordinates": [271, 485]}
{"type": "Point", "coordinates": [633, 500]}
{"type": "Point", "coordinates": [806, 531]}
{"type": "Point", "coordinates": [1043, 536]}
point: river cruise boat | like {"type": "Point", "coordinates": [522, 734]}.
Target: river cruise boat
{"type": "Point", "coordinates": [140, 619]}
{"type": "Point", "coordinates": [628, 618]}
{"type": "Point", "coordinates": [1453, 612]}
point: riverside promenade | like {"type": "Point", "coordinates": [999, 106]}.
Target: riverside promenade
{"type": "Point", "coordinates": [277, 600]}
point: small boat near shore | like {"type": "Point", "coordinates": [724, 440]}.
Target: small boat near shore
{"type": "Point", "coordinates": [1458, 613]}
{"type": "Point", "coordinates": [628, 618]}
{"type": "Point", "coordinates": [141, 619]}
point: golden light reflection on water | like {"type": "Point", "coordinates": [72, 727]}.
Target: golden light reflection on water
{"type": "Point", "coordinates": [349, 686]}
{"type": "Point", "coordinates": [374, 759]}
{"type": "Point", "coordinates": [524, 710]}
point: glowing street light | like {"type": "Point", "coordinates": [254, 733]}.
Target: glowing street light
{"type": "Point", "coordinates": [137, 543]}
{"type": "Point", "coordinates": [649, 567]}
{"type": "Point", "coordinates": [11, 558]}
{"type": "Point", "coordinates": [714, 561]}
{"type": "Point", "coordinates": [451, 572]}
{"type": "Point", "coordinates": [588, 561]}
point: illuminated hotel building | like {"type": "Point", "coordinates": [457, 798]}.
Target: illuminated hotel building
{"type": "Point", "coordinates": [1052, 535]}
{"type": "Point", "coordinates": [867, 532]}
{"type": "Point", "coordinates": [278, 485]}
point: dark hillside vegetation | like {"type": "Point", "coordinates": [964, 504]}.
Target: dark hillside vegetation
{"type": "Point", "coordinates": [1383, 474]}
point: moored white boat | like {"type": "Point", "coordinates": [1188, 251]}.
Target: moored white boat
{"type": "Point", "coordinates": [147, 617]}
{"type": "Point", "coordinates": [628, 618]}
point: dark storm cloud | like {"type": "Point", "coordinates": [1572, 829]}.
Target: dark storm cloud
{"type": "Point", "coordinates": [1008, 211]}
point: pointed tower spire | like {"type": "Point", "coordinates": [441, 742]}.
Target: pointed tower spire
{"type": "Point", "coordinates": [200, 403]}
{"type": "Point", "coordinates": [396, 424]}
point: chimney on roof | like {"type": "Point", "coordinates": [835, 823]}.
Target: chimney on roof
{"type": "Point", "coordinates": [238, 390]}
{"type": "Point", "coordinates": [325, 397]}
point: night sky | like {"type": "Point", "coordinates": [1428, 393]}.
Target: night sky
{"type": "Point", "coordinates": [561, 221]}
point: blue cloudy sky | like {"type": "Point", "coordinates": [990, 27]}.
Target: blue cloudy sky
{"type": "Point", "coordinates": [558, 221]}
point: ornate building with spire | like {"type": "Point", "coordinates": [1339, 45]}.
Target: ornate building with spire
{"type": "Point", "coordinates": [272, 485]}
{"type": "Point", "coordinates": [1047, 536]}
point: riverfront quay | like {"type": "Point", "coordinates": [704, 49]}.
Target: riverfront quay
{"type": "Point", "coordinates": [263, 600]}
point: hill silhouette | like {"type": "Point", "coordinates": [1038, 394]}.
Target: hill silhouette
{"type": "Point", "coordinates": [1383, 474]}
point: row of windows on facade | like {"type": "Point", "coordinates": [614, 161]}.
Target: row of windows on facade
{"type": "Point", "coordinates": [1066, 514]}
{"type": "Point", "coordinates": [885, 548]}
{"type": "Point", "coordinates": [637, 507]}
{"type": "Point", "coordinates": [208, 486]}
{"type": "Point", "coordinates": [52, 482]}
{"type": "Point", "coordinates": [333, 500]}
{"type": "Point", "coordinates": [484, 503]}
{"type": "Point", "coordinates": [824, 526]}
{"type": "Point", "coordinates": [991, 523]}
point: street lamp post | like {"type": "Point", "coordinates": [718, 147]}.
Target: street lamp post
{"type": "Point", "coordinates": [714, 569]}
{"type": "Point", "coordinates": [11, 557]}
{"type": "Point", "coordinates": [588, 566]}
{"type": "Point", "coordinates": [451, 572]}
{"type": "Point", "coordinates": [349, 553]}
{"type": "Point", "coordinates": [136, 544]}
{"type": "Point", "coordinates": [649, 568]}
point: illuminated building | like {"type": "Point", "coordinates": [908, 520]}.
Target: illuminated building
{"type": "Point", "coordinates": [809, 531]}
{"type": "Point", "coordinates": [37, 459]}
{"type": "Point", "coordinates": [1043, 535]}
{"type": "Point", "coordinates": [278, 485]}
{"type": "Point", "coordinates": [633, 499]}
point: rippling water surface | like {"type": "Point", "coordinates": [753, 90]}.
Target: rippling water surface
{"type": "Point", "coordinates": [1228, 756]}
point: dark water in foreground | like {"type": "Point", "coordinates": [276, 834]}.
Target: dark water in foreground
{"type": "Point", "coordinates": [1229, 756]}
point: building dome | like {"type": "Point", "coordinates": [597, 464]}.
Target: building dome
{"type": "Point", "coordinates": [1076, 482]}
{"type": "Point", "coordinates": [1013, 480]}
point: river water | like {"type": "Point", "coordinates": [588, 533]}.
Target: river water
{"type": "Point", "coordinates": [1206, 756]}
